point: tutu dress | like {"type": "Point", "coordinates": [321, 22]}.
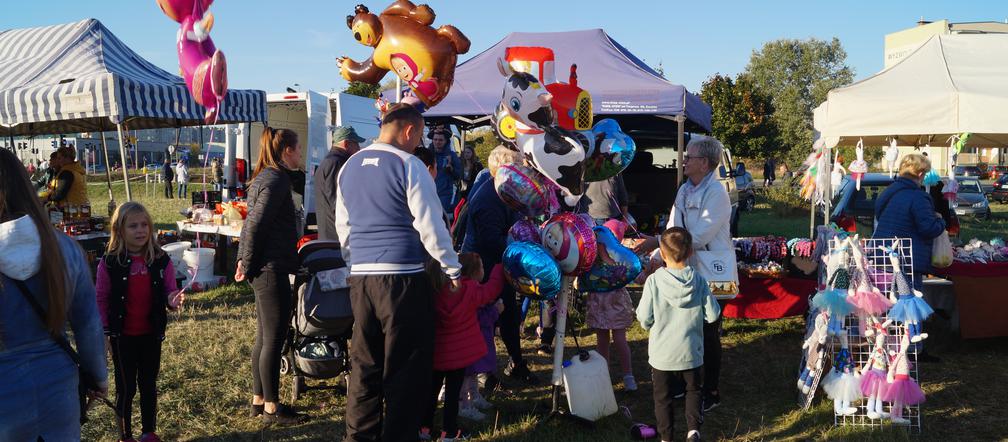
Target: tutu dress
{"type": "Point", "coordinates": [842, 384]}
{"type": "Point", "coordinates": [865, 298]}
{"type": "Point", "coordinates": [903, 389]}
{"type": "Point", "coordinates": [833, 300]}
{"type": "Point", "coordinates": [909, 307]}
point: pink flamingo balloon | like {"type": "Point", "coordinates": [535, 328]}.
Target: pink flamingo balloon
{"type": "Point", "coordinates": [201, 64]}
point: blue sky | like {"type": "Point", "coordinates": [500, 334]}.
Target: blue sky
{"type": "Point", "coordinates": [274, 44]}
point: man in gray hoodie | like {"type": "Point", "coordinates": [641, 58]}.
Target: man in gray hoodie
{"type": "Point", "coordinates": [676, 302]}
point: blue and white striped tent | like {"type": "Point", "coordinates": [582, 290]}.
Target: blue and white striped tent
{"type": "Point", "coordinates": [78, 77]}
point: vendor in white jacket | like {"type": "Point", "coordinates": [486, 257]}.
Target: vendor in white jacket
{"type": "Point", "coordinates": [703, 207]}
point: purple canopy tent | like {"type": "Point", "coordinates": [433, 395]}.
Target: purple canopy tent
{"type": "Point", "coordinates": [649, 108]}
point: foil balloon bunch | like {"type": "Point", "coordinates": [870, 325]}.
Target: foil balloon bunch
{"type": "Point", "coordinates": [550, 122]}
{"type": "Point", "coordinates": [201, 64]}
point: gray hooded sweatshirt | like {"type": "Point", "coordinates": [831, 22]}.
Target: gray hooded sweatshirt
{"type": "Point", "coordinates": [673, 308]}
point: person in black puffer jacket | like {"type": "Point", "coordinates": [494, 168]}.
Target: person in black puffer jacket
{"type": "Point", "coordinates": [267, 255]}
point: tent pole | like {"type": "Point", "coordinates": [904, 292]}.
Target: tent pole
{"type": "Point", "coordinates": [108, 169]}
{"type": "Point", "coordinates": [398, 89]}
{"type": "Point", "coordinates": [680, 141]}
{"type": "Point", "coordinates": [178, 134]}
{"type": "Point", "coordinates": [122, 153]}
{"type": "Point", "coordinates": [10, 133]}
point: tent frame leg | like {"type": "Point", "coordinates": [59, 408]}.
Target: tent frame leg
{"type": "Point", "coordinates": [122, 153]}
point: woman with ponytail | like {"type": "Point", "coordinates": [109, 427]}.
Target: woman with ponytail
{"type": "Point", "coordinates": [267, 256]}
{"type": "Point", "coordinates": [42, 268]}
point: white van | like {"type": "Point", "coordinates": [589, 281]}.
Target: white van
{"type": "Point", "coordinates": [313, 115]}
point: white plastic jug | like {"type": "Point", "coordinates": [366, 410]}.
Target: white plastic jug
{"type": "Point", "coordinates": [589, 389]}
{"type": "Point", "coordinates": [202, 260]}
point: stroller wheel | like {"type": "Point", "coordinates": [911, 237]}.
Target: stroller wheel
{"type": "Point", "coordinates": [297, 387]}
{"type": "Point", "coordinates": [286, 363]}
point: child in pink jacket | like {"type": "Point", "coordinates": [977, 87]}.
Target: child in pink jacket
{"type": "Point", "coordinates": [458, 342]}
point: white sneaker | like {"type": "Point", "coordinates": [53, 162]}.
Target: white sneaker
{"type": "Point", "coordinates": [472, 414]}
{"type": "Point", "coordinates": [629, 383]}
{"type": "Point", "coordinates": [480, 402]}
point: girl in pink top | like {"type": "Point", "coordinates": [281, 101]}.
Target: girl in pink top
{"type": "Point", "coordinates": [458, 341]}
{"type": "Point", "coordinates": [135, 288]}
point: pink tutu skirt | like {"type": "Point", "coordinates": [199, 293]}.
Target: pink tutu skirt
{"type": "Point", "coordinates": [903, 391]}
{"type": "Point", "coordinates": [871, 380]}
{"type": "Point", "coordinates": [869, 302]}
{"type": "Point", "coordinates": [842, 387]}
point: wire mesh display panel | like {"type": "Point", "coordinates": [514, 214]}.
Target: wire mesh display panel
{"type": "Point", "coordinates": [880, 273]}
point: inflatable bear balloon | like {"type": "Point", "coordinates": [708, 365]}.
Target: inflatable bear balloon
{"type": "Point", "coordinates": [404, 42]}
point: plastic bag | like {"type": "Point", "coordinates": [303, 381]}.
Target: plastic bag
{"type": "Point", "coordinates": [941, 251]}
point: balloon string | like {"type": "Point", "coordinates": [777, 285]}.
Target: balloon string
{"type": "Point", "coordinates": [206, 199]}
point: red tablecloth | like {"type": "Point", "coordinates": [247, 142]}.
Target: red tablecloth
{"type": "Point", "coordinates": [770, 298]}
{"type": "Point", "coordinates": [980, 298]}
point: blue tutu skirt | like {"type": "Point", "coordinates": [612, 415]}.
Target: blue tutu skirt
{"type": "Point", "coordinates": [910, 308]}
{"type": "Point", "coordinates": [833, 301]}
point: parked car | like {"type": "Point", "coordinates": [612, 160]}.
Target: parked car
{"type": "Point", "coordinates": [746, 190]}
{"type": "Point", "coordinates": [971, 171]}
{"type": "Point", "coordinates": [971, 199]}
{"type": "Point", "coordinates": [999, 192]}
{"type": "Point", "coordinates": [996, 172]}
{"type": "Point", "coordinates": [854, 210]}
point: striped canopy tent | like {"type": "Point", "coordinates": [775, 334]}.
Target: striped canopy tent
{"type": "Point", "coordinates": [79, 77]}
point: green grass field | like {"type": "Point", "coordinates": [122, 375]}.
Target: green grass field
{"type": "Point", "coordinates": [204, 384]}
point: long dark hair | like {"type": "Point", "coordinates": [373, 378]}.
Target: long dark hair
{"type": "Point", "coordinates": [17, 198]}
{"type": "Point", "coordinates": [271, 146]}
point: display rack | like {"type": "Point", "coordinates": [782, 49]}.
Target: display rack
{"type": "Point", "coordinates": [879, 269]}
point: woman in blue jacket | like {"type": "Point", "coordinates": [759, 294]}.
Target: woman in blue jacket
{"type": "Point", "coordinates": [39, 387]}
{"type": "Point", "coordinates": [905, 210]}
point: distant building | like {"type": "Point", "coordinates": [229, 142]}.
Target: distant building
{"type": "Point", "coordinates": [902, 43]}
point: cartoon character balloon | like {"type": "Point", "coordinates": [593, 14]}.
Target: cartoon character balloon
{"type": "Point", "coordinates": [404, 41]}
{"type": "Point", "coordinates": [524, 230]}
{"type": "Point", "coordinates": [531, 270]}
{"type": "Point", "coordinates": [202, 65]}
{"type": "Point", "coordinates": [615, 265]}
{"type": "Point", "coordinates": [569, 238]}
{"type": "Point", "coordinates": [525, 190]}
{"type": "Point", "coordinates": [555, 152]}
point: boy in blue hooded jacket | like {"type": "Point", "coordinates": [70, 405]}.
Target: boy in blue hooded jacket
{"type": "Point", "coordinates": [675, 303]}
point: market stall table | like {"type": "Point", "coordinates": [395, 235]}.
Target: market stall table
{"type": "Point", "coordinates": [224, 260]}
{"type": "Point", "coordinates": [980, 300]}
{"type": "Point", "coordinates": [769, 298]}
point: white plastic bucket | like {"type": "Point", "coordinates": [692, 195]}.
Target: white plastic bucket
{"type": "Point", "coordinates": [589, 389]}
{"type": "Point", "coordinates": [201, 260]}
{"type": "Point", "coordinates": [175, 251]}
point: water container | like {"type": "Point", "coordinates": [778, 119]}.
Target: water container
{"type": "Point", "coordinates": [589, 389]}
{"type": "Point", "coordinates": [175, 251]}
{"type": "Point", "coordinates": [202, 261]}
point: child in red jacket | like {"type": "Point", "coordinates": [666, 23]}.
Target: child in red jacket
{"type": "Point", "coordinates": [458, 341]}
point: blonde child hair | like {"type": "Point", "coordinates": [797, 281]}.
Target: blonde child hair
{"type": "Point", "coordinates": [117, 243]}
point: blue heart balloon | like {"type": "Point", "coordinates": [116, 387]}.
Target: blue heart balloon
{"type": "Point", "coordinates": [615, 266]}
{"type": "Point", "coordinates": [531, 270]}
{"type": "Point", "coordinates": [610, 151]}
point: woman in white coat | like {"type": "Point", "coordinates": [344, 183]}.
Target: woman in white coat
{"type": "Point", "coordinates": [703, 207]}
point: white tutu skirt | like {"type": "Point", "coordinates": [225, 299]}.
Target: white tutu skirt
{"type": "Point", "coordinates": [842, 387]}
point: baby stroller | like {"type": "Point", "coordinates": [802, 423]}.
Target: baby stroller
{"type": "Point", "coordinates": [317, 345]}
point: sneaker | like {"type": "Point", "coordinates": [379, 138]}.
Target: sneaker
{"type": "Point", "coordinates": [693, 436]}
{"type": "Point", "coordinates": [284, 416]}
{"type": "Point", "coordinates": [629, 383]}
{"type": "Point", "coordinates": [480, 402]}
{"type": "Point", "coordinates": [255, 410]}
{"type": "Point", "coordinates": [472, 414]}
{"type": "Point", "coordinates": [459, 435]}
{"type": "Point", "coordinates": [424, 434]}
{"type": "Point", "coordinates": [150, 437]}
{"type": "Point", "coordinates": [545, 350]}
{"type": "Point", "coordinates": [711, 401]}
{"type": "Point", "coordinates": [521, 372]}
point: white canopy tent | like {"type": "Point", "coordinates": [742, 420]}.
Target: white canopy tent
{"type": "Point", "coordinates": [951, 84]}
